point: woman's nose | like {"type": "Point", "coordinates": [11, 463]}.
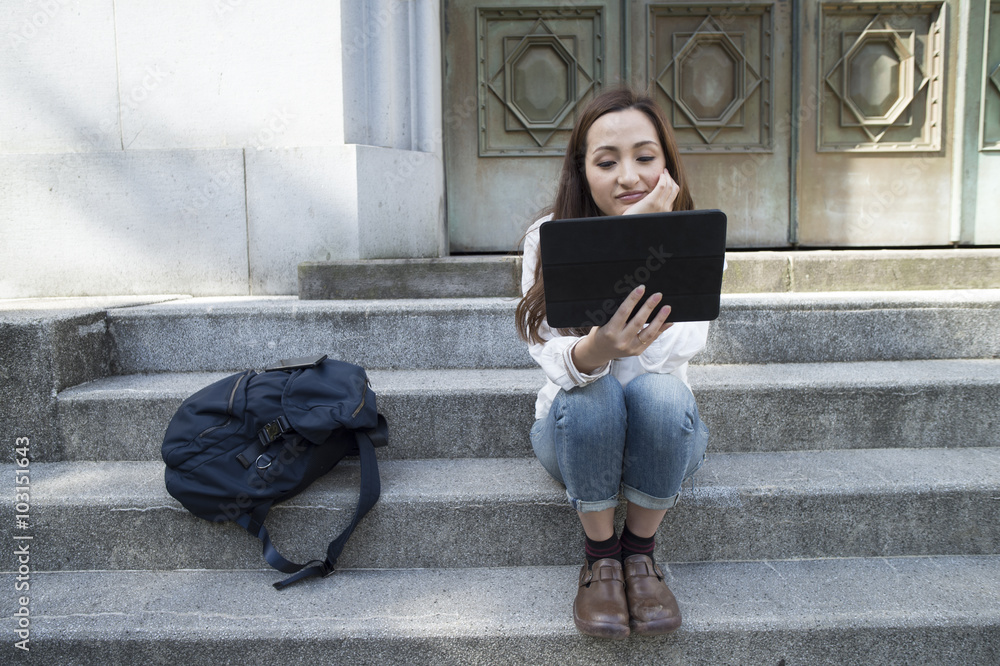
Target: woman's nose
{"type": "Point", "coordinates": [627, 176]}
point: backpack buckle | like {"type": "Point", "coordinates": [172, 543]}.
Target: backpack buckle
{"type": "Point", "coordinates": [273, 430]}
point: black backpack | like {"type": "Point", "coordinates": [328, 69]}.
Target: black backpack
{"type": "Point", "coordinates": [239, 446]}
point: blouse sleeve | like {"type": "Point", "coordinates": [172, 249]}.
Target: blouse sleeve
{"type": "Point", "coordinates": [554, 355]}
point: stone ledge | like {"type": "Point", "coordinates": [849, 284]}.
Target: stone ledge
{"type": "Point", "coordinates": [748, 272]}
{"type": "Point", "coordinates": [446, 277]}
{"type": "Point", "coordinates": [463, 413]}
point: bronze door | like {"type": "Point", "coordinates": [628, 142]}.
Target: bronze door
{"type": "Point", "coordinates": [808, 123]}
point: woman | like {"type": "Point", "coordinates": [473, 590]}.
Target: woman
{"type": "Point", "coordinates": [616, 411]}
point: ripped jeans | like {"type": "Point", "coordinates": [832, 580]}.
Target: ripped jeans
{"type": "Point", "coordinates": [645, 438]}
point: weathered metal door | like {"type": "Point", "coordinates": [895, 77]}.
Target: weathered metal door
{"type": "Point", "coordinates": [515, 74]}
{"type": "Point", "coordinates": [809, 123]}
{"type": "Point", "coordinates": [720, 73]}
{"type": "Point", "coordinates": [873, 169]}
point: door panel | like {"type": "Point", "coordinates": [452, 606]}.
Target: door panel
{"type": "Point", "coordinates": [535, 65]}
{"type": "Point", "coordinates": [873, 169]}
{"type": "Point", "coordinates": [712, 69]}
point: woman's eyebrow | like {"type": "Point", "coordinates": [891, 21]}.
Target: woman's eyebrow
{"type": "Point", "coordinates": [639, 144]}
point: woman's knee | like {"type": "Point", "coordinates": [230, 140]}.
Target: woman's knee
{"type": "Point", "coordinates": [661, 399]}
{"type": "Point", "coordinates": [601, 399]}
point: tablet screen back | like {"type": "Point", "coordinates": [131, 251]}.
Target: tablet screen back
{"type": "Point", "coordinates": [590, 265]}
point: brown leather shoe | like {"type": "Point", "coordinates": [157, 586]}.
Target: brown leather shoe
{"type": "Point", "coordinates": [600, 608]}
{"type": "Point", "coordinates": [651, 605]}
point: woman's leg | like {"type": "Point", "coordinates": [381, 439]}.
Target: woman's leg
{"type": "Point", "coordinates": [666, 443]}
{"type": "Point", "coordinates": [643, 522]}
{"type": "Point", "coordinates": [581, 443]}
{"type": "Point", "coordinates": [598, 525]}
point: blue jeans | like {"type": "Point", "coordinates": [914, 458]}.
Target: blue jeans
{"type": "Point", "coordinates": [646, 438]}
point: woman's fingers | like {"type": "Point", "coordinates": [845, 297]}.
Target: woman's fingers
{"type": "Point", "coordinates": [660, 199]}
{"type": "Point", "coordinates": [619, 319]}
{"type": "Point", "coordinates": [672, 190]}
{"type": "Point", "coordinates": [640, 318]}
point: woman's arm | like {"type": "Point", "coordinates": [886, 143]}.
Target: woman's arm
{"type": "Point", "coordinates": [555, 354]}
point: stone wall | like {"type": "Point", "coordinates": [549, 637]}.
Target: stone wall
{"type": "Point", "coordinates": [209, 147]}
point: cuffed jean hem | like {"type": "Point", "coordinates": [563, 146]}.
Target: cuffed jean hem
{"type": "Point", "coordinates": [640, 498]}
{"type": "Point", "coordinates": [646, 501]}
{"type": "Point", "coordinates": [585, 506]}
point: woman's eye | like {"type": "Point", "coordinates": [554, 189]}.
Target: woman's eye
{"type": "Point", "coordinates": [646, 158]}
{"type": "Point", "coordinates": [605, 164]}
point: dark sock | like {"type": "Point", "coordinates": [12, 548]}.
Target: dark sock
{"type": "Point", "coordinates": [633, 545]}
{"type": "Point", "coordinates": [598, 550]}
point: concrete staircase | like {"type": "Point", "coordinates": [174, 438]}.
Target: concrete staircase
{"type": "Point", "coordinates": [849, 512]}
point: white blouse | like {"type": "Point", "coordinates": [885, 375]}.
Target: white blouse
{"type": "Point", "coordinates": [670, 352]}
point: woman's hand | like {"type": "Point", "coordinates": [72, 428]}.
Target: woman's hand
{"type": "Point", "coordinates": [659, 200]}
{"type": "Point", "coordinates": [622, 336]}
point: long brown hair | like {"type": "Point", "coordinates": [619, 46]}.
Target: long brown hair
{"type": "Point", "coordinates": [573, 198]}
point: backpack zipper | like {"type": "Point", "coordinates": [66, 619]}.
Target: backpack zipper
{"type": "Point", "coordinates": [364, 395]}
{"type": "Point", "coordinates": [229, 409]}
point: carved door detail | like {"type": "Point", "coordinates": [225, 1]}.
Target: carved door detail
{"type": "Point", "coordinates": [535, 68]}
{"type": "Point", "coordinates": [873, 166]}
{"type": "Point", "coordinates": [712, 71]}
{"type": "Point", "coordinates": [882, 71]}
{"type": "Point", "coordinates": [810, 123]}
{"type": "Point", "coordinates": [516, 73]}
{"type": "Point", "coordinates": [711, 66]}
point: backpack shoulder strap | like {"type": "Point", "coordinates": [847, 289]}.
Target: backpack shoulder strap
{"type": "Point", "coordinates": [371, 488]}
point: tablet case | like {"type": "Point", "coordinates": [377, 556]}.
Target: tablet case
{"type": "Point", "coordinates": [590, 265]}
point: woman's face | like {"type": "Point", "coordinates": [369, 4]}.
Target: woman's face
{"type": "Point", "coordinates": [624, 160]}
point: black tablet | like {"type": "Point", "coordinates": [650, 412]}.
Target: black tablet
{"type": "Point", "coordinates": [590, 265]}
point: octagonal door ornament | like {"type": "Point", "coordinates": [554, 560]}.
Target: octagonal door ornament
{"type": "Point", "coordinates": [536, 66]}
{"type": "Point", "coordinates": [881, 68]}
{"type": "Point", "coordinates": [711, 68]}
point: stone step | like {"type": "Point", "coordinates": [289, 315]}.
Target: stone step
{"type": "Point", "coordinates": [748, 272]}
{"type": "Point", "coordinates": [54, 346]}
{"type": "Point", "coordinates": [508, 512]}
{"type": "Point", "coordinates": [933, 611]}
{"type": "Point", "coordinates": [445, 277]}
{"type": "Point", "coordinates": [466, 413]}
{"type": "Point", "coordinates": [208, 334]}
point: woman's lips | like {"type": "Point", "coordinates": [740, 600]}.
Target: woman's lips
{"type": "Point", "coordinates": [630, 197]}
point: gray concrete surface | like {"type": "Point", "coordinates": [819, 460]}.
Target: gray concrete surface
{"type": "Point", "coordinates": [933, 611]}
{"type": "Point", "coordinates": [47, 345]}
{"type": "Point", "coordinates": [877, 444]}
{"type": "Point", "coordinates": [446, 277]}
{"type": "Point", "coordinates": [463, 413]}
{"type": "Point", "coordinates": [459, 513]}
{"type": "Point", "coordinates": [747, 272]}
{"type": "Point", "coordinates": [230, 334]}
